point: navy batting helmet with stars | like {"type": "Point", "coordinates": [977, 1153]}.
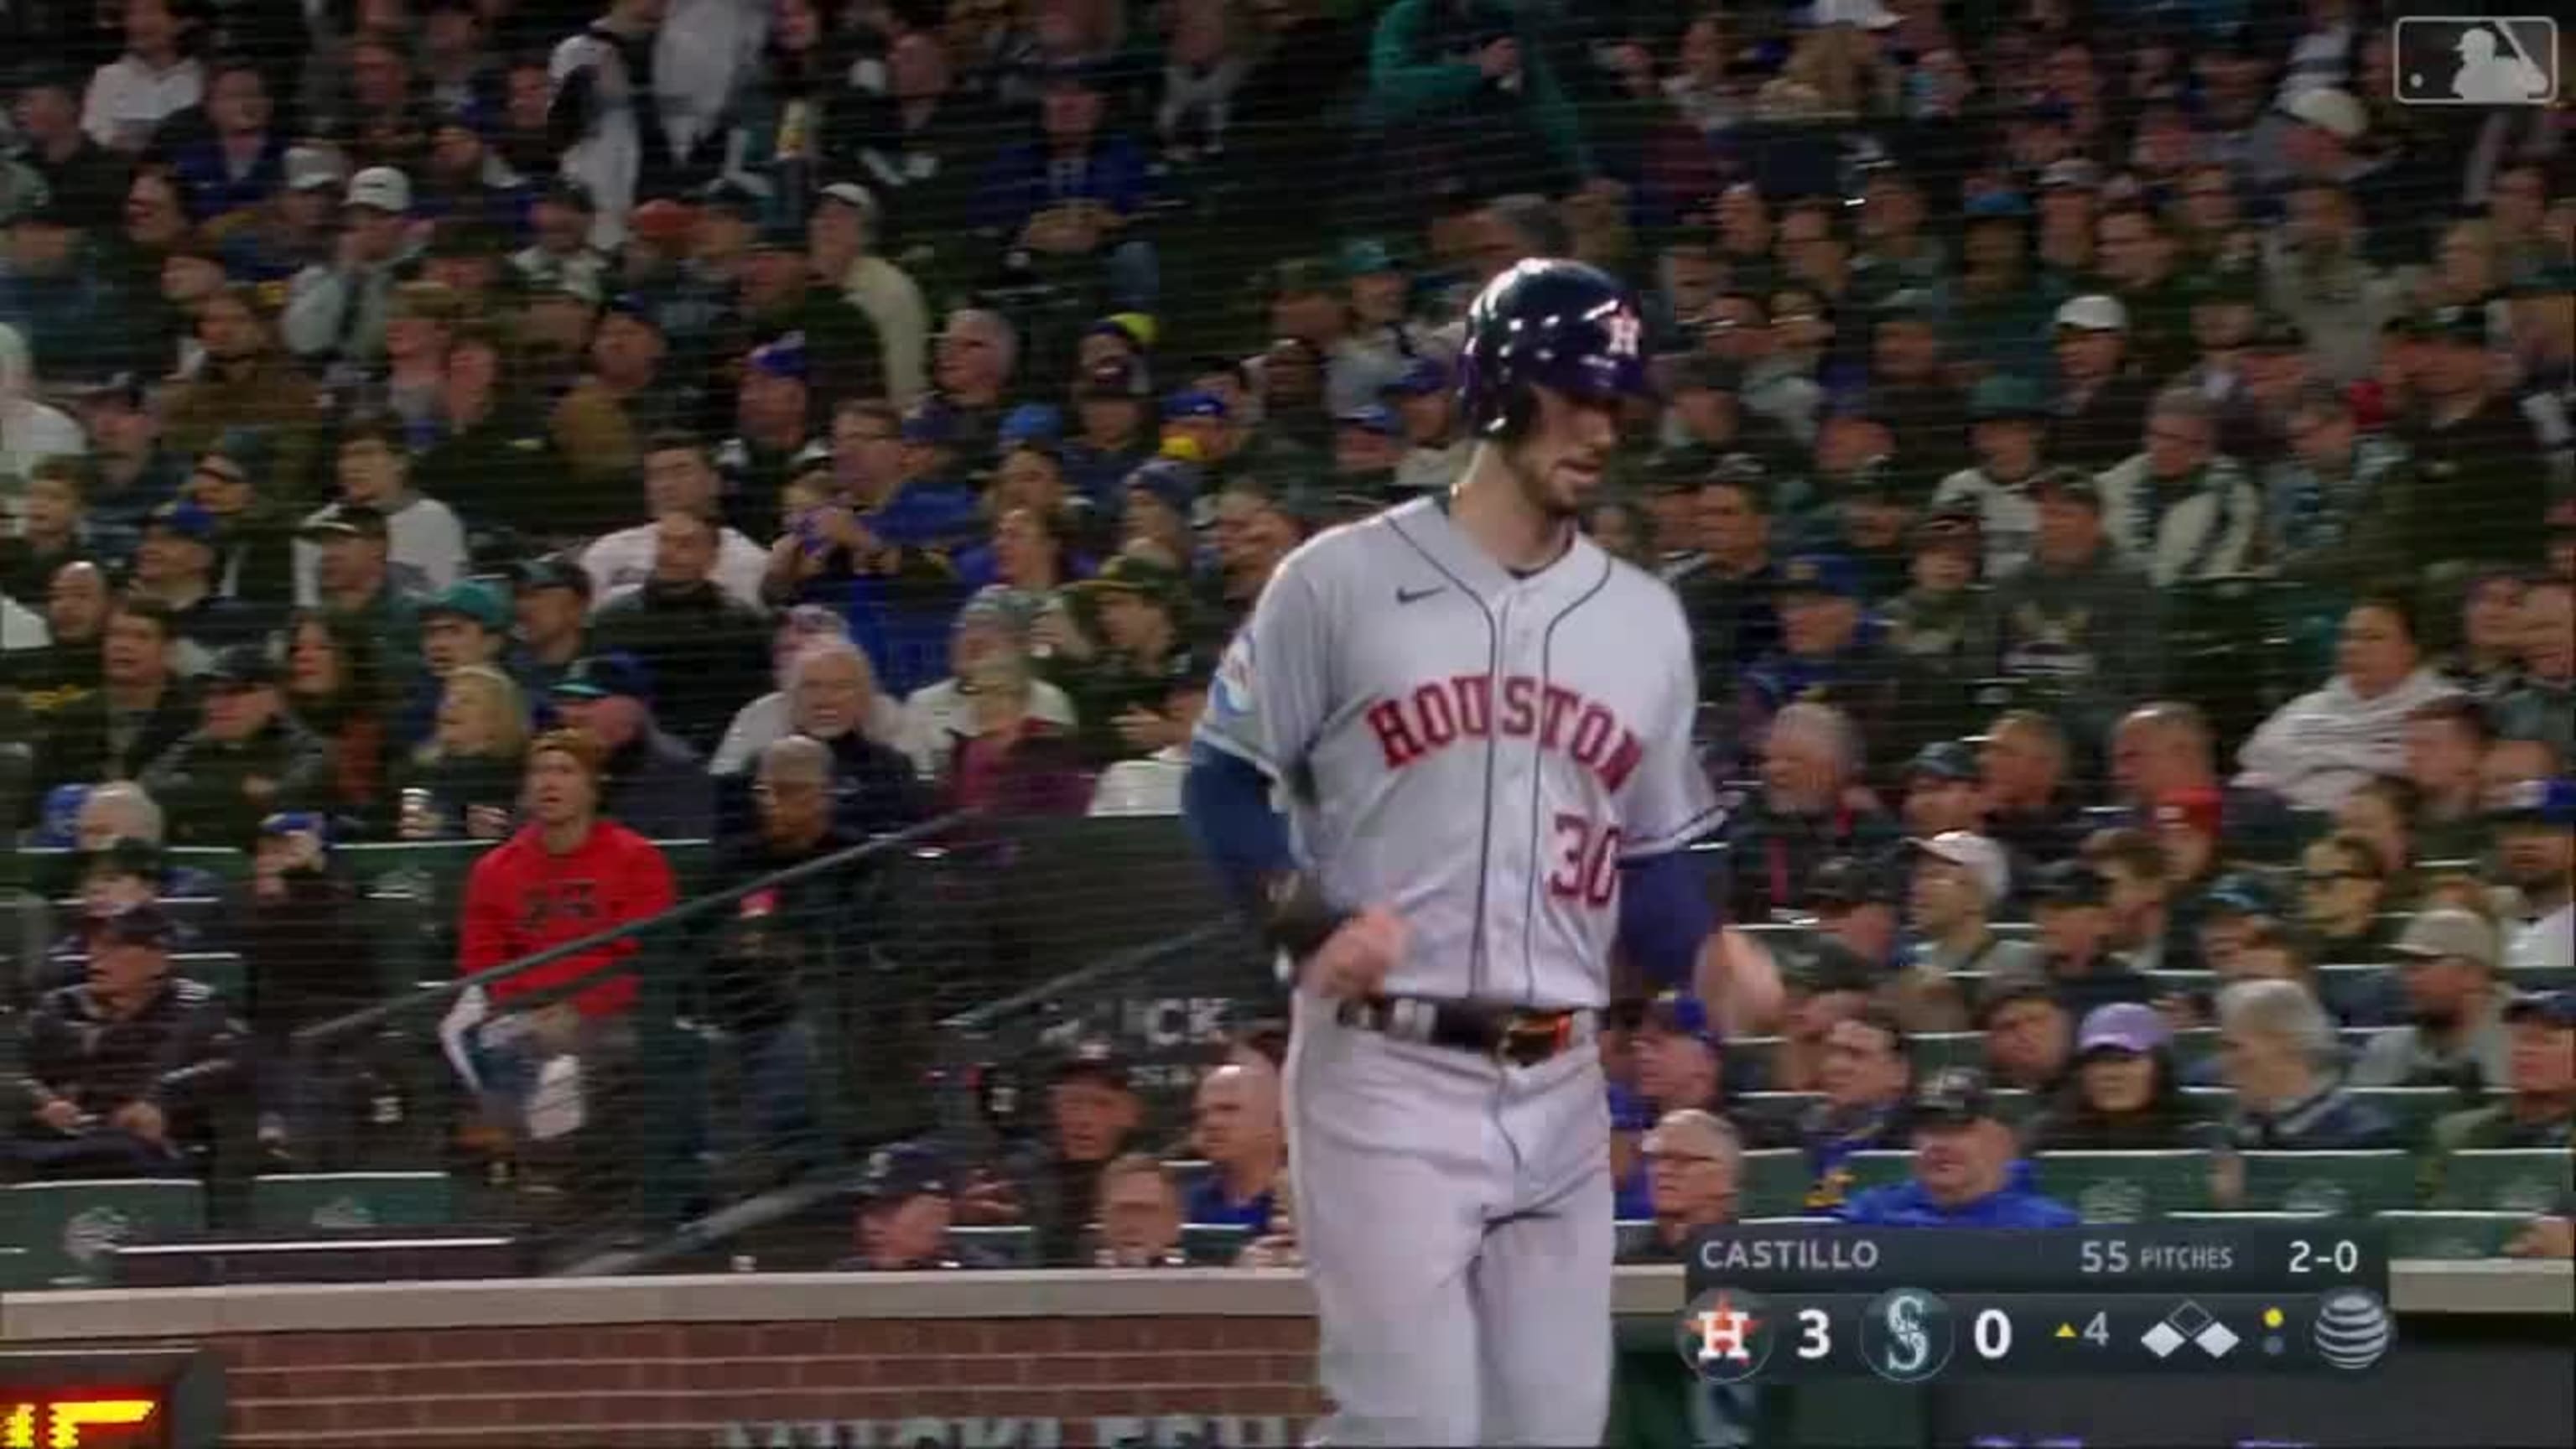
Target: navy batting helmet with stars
{"type": "Point", "coordinates": [1554, 324]}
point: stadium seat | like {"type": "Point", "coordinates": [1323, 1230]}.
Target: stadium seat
{"type": "Point", "coordinates": [2543, 978]}
{"type": "Point", "coordinates": [2015, 1105]}
{"type": "Point", "coordinates": [2450, 1235]}
{"type": "Point", "coordinates": [223, 970]}
{"type": "Point", "coordinates": [2192, 1047]}
{"type": "Point", "coordinates": [1781, 1108]}
{"type": "Point", "coordinates": [1013, 1246]}
{"type": "Point", "coordinates": [1753, 1056]}
{"type": "Point", "coordinates": [1631, 1238]}
{"type": "Point", "coordinates": [197, 914]}
{"type": "Point", "coordinates": [222, 862]}
{"type": "Point", "coordinates": [2511, 1180]}
{"type": "Point", "coordinates": [2125, 1187]}
{"type": "Point", "coordinates": [352, 1200]}
{"type": "Point", "coordinates": [1933, 1051]}
{"type": "Point", "coordinates": [1774, 1180]}
{"type": "Point", "coordinates": [1217, 1245]}
{"type": "Point", "coordinates": [18, 1271]}
{"type": "Point", "coordinates": [2415, 1108]}
{"type": "Point", "coordinates": [2183, 983]}
{"type": "Point", "coordinates": [70, 1229]}
{"type": "Point", "coordinates": [2339, 1184]}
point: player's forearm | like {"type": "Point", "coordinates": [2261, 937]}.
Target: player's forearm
{"type": "Point", "coordinates": [1225, 801]}
{"type": "Point", "coordinates": [1664, 917]}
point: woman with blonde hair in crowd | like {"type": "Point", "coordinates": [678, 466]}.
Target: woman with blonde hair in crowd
{"type": "Point", "coordinates": [465, 782]}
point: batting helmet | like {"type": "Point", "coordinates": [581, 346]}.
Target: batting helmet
{"type": "Point", "coordinates": [1545, 323]}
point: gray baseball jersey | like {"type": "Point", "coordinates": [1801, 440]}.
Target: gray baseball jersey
{"type": "Point", "coordinates": [1478, 750]}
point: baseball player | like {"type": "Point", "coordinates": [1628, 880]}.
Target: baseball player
{"type": "Point", "coordinates": [1481, 722]}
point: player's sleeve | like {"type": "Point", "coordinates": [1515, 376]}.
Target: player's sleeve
{"type": "Point", "coordinates": [1271, 694]}
{"type": "Point", "coordinates": [1669, 802]}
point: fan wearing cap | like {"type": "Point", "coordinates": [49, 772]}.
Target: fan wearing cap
{"type": "Point", "coordinates": [174, 566]}
{"type": "Point", "coordinates": [2079, 617]}
{"type": "Point", "coordinates": [905, 1201]}
{"type": "Point", "coordinates": [840, 243]}
{"type": "Point", "coordinates": [1832, 651]}
{"type": "Point", "coordinates": [2100, 404]}
{"type": "Point", "coordinates": [335, 312]}
{"type": "Point", "coordinates": [1940, 625]}
{"type": "Point", "coordinates": [1112, 404]}
{"type": "Point", "coordinates": [780, 298]}
{"type": "Point", "coordinates": [2469, 440]}
{"type": "Point", "coordinates": [2535, 828]}
{"type": "Point", "coordinates": [96, 1059]}
{"type": "Point", "coordinates": [2539, 1108]}
{"type": "Point", "coordinates": [116, 875]}
{"type": "Point", "coordinates": [1961, 881]}
{"type": "Point", "coordinates": [1967, 1171]}
{"type": "Point", "coordinates": [1425, 407]}
{"type": "Point", "coordinates": [2071, 903]}
{"type": "Point", "coordinates": [1093, 1116]}
{"type": "Point", "coordinates": [2125, 1095]}
{"type": "Point", "coordinates": [1139, 609]}
{"type": "Point", "coordinates": [641, 776]}
{"type": "Point", "coordinates": [2449, 964]}
{"type": "Point", "coordinates": [246, 758]}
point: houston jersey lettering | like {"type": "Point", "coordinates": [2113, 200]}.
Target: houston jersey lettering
{"type": "Point", "coordinates": [1479, 750]}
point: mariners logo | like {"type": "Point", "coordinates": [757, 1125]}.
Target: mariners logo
{"type": "Point", "coordinates": [1231, 698]}
{"type": "Point", "coordinates": [1907, 1334]}
{"type": "Point", "coordinates": [91, 1234]}
{"type": "Point", "coordinates": [1725, 1335]}
{"type": "Point", "coordinates": [2113, 1200]}
{"type": "Point", "coordinates": [343, 1212]}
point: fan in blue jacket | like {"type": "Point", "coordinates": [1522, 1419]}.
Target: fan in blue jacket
{"type": "Point", "coordinates": [1967, 1172]}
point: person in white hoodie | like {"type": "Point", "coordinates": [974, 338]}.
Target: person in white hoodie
{"type": "Point", "coordinates": [29, 430]}
{"type": "Point", "coordinates": [2319, 748]}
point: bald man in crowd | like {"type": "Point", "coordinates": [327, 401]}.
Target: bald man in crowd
{"type": "Point", "coordinates": [1236, 1127]}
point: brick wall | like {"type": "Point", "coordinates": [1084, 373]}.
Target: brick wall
{"type": "Point", "coordinates": [647, 1386]}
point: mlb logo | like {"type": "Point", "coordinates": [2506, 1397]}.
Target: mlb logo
{"type": "Point", "coordinates": [2471, 60]}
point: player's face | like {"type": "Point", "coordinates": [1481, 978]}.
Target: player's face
{"type": "Point", "coordinates": [1559, 464]}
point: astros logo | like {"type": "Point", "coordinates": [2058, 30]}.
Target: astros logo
{"type": "Point", "coordinates": [1722, 1336]}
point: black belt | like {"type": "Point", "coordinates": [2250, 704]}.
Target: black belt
{"type": "Point", "coordinates": [1515, 1035]}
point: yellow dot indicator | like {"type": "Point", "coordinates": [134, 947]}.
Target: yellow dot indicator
{"type": "Point", "coordinates": [2272, 1318]}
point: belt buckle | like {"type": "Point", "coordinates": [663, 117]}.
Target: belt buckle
{"type": "Point", "coordinates": [1529, 1038]}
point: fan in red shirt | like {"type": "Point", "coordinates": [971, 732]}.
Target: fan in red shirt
{"type": "Point", "coordinates": [567, 875]}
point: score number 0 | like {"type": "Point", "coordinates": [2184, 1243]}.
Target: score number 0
{"type": "Point", "coordinates": [1991, 1333]}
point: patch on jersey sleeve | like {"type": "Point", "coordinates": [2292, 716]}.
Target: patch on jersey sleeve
{"type": "Point", "coordinates": [1232, 697]}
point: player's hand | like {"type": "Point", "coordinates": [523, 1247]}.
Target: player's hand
{"type": "Point", "coordinates": [1358, 957]}
{"type": "Point", "coordinates": [62, 1114]}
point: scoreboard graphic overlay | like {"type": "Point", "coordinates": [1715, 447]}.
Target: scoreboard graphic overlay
{"type": "Point", "coordinates": [1807, 1301]}
{"type": "Point", "coordinates": [110, 1399]}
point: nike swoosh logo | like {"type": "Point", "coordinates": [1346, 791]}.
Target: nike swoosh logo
{"type": "Point", "coordinates": [1416, 596]}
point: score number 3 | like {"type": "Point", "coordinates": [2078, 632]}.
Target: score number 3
{"type": "Point", "coordinates": [1587, 861]}
{"type": "Point", "coordinates": [1815, 1334]}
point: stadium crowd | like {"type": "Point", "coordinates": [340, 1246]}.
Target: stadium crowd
{"type": "Point", "coordinates": [2116, 461]}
